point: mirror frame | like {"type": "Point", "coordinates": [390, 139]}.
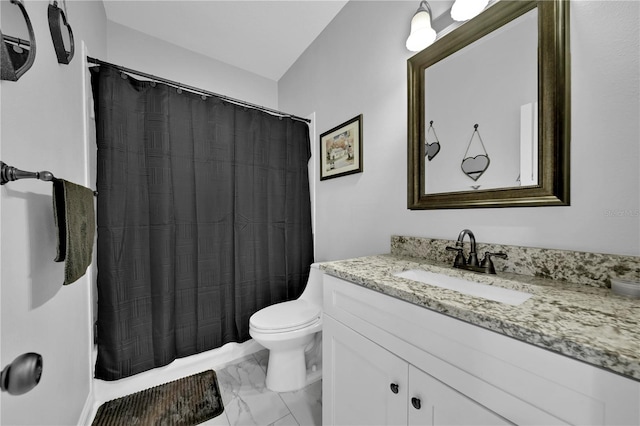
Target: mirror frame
{"type": "Point", "coordinates": [554, 109]}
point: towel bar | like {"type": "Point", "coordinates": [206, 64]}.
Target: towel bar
{"type": "Point", "coordinates": [9, 174]}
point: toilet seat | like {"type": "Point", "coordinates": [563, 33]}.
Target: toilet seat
{"type": "Point", "coordinates": [286, 316]}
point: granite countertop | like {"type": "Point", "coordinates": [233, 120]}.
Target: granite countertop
{"type": "Point", "coordinates": [583, 322]}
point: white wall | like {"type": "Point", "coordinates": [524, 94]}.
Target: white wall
{"type": "Point", "coordinates": [42, 121]}
{"type": "Point", "coordinates": [358, 65]}
{"type": "Point", "coordinates": [133, 49]}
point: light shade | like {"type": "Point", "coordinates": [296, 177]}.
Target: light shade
{"type": "Point", "coordinates": [422, 35]}
{"type": "Point", "coordinates": [463, 10]}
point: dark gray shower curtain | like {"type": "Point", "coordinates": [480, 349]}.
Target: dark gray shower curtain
{"type": "Point", "coordinates": [203, 219]}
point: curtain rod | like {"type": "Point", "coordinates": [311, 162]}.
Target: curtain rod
{"type": "Point", "coordinates": [198, 91]}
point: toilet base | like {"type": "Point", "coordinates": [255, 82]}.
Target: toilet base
{"type": "Point", "coordinates": [286, 370]}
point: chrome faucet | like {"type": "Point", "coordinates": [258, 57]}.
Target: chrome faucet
{"type": "Point", "coordinates": [485, 266]}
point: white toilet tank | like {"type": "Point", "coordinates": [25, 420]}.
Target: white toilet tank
{"type": "Point", "coordinates": [313, 291]}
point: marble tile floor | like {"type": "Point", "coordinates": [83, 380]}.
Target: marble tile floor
{"type": "Point", "coordinates": [247, 401]}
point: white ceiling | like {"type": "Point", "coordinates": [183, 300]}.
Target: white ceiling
{"type": "Point", "coordinates": [264, 37]}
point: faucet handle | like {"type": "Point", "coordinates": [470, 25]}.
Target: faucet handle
{"type": "Point", "coordinates": [487, 263]}
{"type": "Point", "coordinates": [459, 261]}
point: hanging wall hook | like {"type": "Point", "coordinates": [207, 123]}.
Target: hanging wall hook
{"type": "Point", "coordinates": [57, 24]}
{"type": "Point", "coordinates": [14, 67]}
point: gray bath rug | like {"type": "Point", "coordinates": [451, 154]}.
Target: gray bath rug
{"type": "Point", "coordinates": [185, 402]}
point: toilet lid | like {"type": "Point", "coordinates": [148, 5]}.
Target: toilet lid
{"type": "Point", "coordinates": [285, 316]}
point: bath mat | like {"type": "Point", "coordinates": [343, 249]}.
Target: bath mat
{"type": "Point", "coordinates": [185, 402]}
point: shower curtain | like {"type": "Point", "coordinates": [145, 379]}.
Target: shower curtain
{"type": "Point", "coordinates": [203, 219]}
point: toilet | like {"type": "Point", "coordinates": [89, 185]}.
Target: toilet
{"type": "Point", "coordinates": [288, 330]}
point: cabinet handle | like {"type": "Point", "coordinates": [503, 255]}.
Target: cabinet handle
{"type": "Point", "coordinates": [416, 403]}
{"type": "Point", "coordinates": [394, 388]}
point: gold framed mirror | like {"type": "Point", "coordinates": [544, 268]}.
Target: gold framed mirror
{"type": "Point", "coordinates": [547, 139]}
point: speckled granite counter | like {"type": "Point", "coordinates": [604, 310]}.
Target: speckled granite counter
{"type": "Point", "coordinates": [587, 323]}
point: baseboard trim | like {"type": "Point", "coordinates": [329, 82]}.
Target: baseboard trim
{"type": "Point", "coordinates": [86, 416]}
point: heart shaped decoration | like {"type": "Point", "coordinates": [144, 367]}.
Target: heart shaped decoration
{"type": "Point", "coordinates": [57, 17]}
{"type": "Point", "coordinates": [474, 167]}
{"type": "Point", "coordinates": [432, 150]}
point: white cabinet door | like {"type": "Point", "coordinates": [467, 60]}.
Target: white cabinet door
{"type": "Point", "coordinates": [365, 384]}
{"type": "Point", "coordinates": [433, 403]}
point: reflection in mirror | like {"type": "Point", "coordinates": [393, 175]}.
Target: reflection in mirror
{"type": "Point", "coordinates": [17, 42]}
{"type": "Point", "coordinates": [507, 69]}
{"type": "Point", "coordinates": [432, 143]}
{"type": "Point", "coordinates": [486, 82]}
{"type": "Point", "coordinates": [472, 165]}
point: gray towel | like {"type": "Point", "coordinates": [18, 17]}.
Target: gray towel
{"type": "Point", "coordinates": [74, 217]}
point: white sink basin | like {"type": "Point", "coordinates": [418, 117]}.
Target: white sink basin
{"type": "Point", "coordinates": [498, 294]}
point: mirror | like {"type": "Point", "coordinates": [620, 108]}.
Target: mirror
{"type": "Point", "coordinates": [505, 63]}
{"type": "Point", "coordinates": [496, 90]}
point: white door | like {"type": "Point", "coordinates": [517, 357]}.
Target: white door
{"type": "Point", "coordinates": [433, 403]}
{"type": "Point", "coordinates": [365, 384]}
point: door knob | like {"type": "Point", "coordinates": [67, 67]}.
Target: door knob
{"type": "Point", "coordinates": [22, 375]}
{"type": "Point", "coordinates": [416, 403]}
{"type": "Point", "coordinates": [394, 388]}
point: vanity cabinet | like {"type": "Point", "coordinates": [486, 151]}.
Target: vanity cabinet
{"type": "Point", "coordinates": [369, 383]}
{"type": "Point", "coordinates": [390, 362]}
{"type": "Point", "coordinates": [372, 386]}
{"type": "Point", "coordinates": [434, 403]}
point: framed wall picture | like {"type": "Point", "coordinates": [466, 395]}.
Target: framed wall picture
{"type": "Point", "coordinates": [341, 149]}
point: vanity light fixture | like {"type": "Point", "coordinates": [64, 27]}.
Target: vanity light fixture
{"type": "Point", "coordinates": [422, 34]}
{"type": "Point", "coordinates": [463, 10]}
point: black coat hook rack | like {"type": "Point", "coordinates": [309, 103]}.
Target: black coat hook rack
{"type": "Point", "coordinates": [9, 174]}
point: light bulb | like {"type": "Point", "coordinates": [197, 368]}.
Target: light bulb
{"type": "Point", "coordinates": [463, 10]}
{"type": "Point", "coordinates": [422, 35]}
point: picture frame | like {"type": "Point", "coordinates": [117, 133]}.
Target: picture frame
{"type": "Point", "coordinates": [341, 149]}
